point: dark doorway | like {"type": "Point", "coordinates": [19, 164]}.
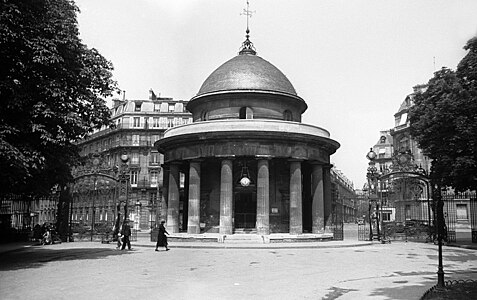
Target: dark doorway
{"type": "Point", "coordinates": [245, 210]}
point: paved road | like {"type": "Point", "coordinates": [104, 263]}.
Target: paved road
{"type": "Point", "coordinates": [84, 270]}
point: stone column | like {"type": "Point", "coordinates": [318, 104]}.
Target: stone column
{"type": "Point", "coordinates": [263, 197]}
{"type": "Point", "coordinates": [327, 194]}
{"type": "Point", "coordinates": [193, 222]}
{"type": "Point", "coordinates": [318, 201]}
{"type": "Point", "coordinates": [296, 218]}
{"type": "Point", "coordinates": [226, 194]}
{"type": "Point", "coordinates": [173, 199]}
{"type": "Point", "coordinates": [163, 194]}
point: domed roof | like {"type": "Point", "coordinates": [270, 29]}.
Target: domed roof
{"type": "Point", "coordinates": [247, 71]}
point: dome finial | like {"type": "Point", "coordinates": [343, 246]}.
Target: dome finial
{"type": "Point", "coordinates": [247, 45]}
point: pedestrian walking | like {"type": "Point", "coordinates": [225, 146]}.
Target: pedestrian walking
{"type": "Point", "coordinates": [126, 233]}
{"type": "Point", "coordinates": [161, 237]}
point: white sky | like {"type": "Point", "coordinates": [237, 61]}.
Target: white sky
{"type": "Point", "coordinates": [352, 61]}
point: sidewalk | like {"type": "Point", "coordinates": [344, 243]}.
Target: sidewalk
{"type": "Point", "coordinates": [144, 241]}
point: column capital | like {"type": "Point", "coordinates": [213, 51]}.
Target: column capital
{"type": "Point", "coordinates": [291, 160]}
{"type": "Point", "coordinates": [264, 157]}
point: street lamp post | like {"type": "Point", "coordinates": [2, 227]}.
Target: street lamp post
{"type": "Point", "coordinates": [437, 198]}
{"type": "Point", "coordinates": [123, 179]}
{"type": "Point", "coordinates": [373, 176]}
{"type": "Point", "coordinates": [138, 208]}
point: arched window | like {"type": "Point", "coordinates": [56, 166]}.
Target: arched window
{"type": "Point", "coordinates": [205, 116]}
{"type": "Point", "coordinates": [383, 139]}
{"type": "Point", "coordinates": [287, 115]}
{"type": "Point", "coordinates": [245, 113]}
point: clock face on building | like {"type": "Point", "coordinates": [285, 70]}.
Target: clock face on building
{"type": "Point", "coordinates": [124, 157]}
{"type": "Point", "coordinates": [245, 181]}
{"type": "Point", "coordinates": [403, 159]}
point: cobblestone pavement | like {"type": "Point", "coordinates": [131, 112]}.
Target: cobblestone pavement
{"type": "Point", "coordinates": [91, 270]}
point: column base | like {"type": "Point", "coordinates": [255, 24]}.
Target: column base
{"type": "Point", "coordinates": [296, 230]}
{"type": "Point", "coordinates": [193, 229]}
{"type": "Point", "coordinates": [225, 230]}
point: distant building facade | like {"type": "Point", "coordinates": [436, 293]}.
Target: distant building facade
{"type": "Point", "coordinates": [344, 197]}
{"type": "Point", "coordinates": [138, 124]}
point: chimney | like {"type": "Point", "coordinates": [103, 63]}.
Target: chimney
{"type": "Point", "coordinates": [152, 96]}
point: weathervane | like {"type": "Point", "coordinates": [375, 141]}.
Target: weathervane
{"type": "Point", "coordinates": [247, 46]}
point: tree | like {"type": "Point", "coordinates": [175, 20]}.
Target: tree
{"type": "Point", "coordinates": [443, 120]}
{"type": "Point", "coordinates": [52, 90]}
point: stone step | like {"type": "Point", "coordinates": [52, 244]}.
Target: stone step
{"type": "Point", "coordinates": [243, 238]}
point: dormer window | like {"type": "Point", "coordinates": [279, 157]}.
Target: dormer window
{"type": "Point", "coordinates": [246, 113]}
{"type": "Point", "coordinates": [137, 107]}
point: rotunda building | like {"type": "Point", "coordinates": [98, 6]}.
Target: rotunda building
{"type": "Point", "coordinates": [247, 163]}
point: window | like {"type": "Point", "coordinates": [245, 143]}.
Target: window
{"type": "Point", "coordinates": [135, 159]}
{"type": "Point", "coordinates": [135, 139]}
{"type": "Point", "coordinates": [134, 176]}
{"type": "Point", "coordinates": [157, 107]}
{"type": "Point", "coordinates": [155, 138]}
{"type": "Point", "coordinates": [154, 158]}
{"type": "Point", "coordinates": [382, 140]}
{"type": "Point", "coordinates": [136, 122]}
{"type": "Point", "coordinates": [163, 122]}
{"type": "Point", "coordinates": [154, 176]}
{"type": "Point", "coordinates": [137, 107]}
{"type": "Point", "coordinates": [171, 107]}
{"type": "Point", "coordinates": [403, 144]}
{"type": "Point", "coordinates": [462, 211]}
{"type": "Point", "coordinates": [170, 122]}
{"type": "Point", "coordinates": [155, 122]}
{"type": "Point", "coordinates": [403, 119]}
{"type": "Point", "coordinates": [153, 197]}
{"type": "Point", "coordinates": [245, 113]}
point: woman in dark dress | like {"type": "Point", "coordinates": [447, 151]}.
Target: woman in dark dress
{"type": "Point", "coordinates": [161, 237]}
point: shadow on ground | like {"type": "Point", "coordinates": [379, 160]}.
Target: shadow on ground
{"type": "Point", "coordinates": [35, 257]}
{"type": "Point", "coordinates": [402, 292]}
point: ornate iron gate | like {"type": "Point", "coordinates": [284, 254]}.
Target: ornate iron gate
{"type": "Point", "coordinates": [363, 232]}
{"type": "Point", "coordinates": [450, 215]}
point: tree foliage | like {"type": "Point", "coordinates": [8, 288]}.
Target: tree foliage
{"type": "Point", "coordinates": [443, 120]}
{"type": "Point", "coordinates": [52, 90]}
